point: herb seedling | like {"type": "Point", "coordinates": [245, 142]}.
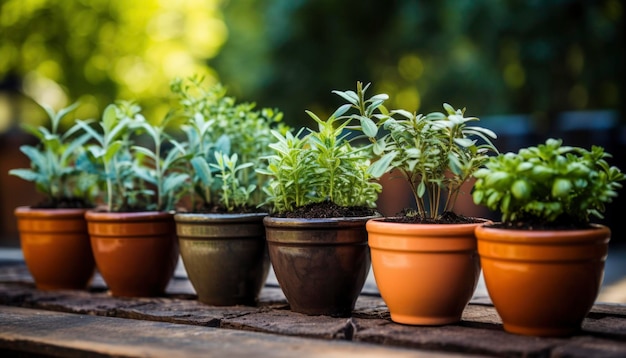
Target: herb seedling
{"type": "Point", "coordinates": [548, 184]}
{"type": "Point", "coordinates": [55, 163]}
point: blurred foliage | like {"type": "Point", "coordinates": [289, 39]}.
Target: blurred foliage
{"type": "Point", "coordinates": [515, 56]}
{"type": "Point", "coordinates": [97, 51]}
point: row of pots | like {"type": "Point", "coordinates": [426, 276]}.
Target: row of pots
{"type": "Point", "coordinates": [426, 274]}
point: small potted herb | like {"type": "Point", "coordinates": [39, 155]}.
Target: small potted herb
{"type": "Point", "coordinates": [544, 262]}
{"type": "Point", "coordinates": [321, 196]}
{"type": "Point", "coordinates": [425, 260]}
{"type": "Point", "coordinates": [53, 233]}
{"type": "Point", "coordinates": [221, 234]}
{"type": "Point", "coordinates": [133, 239]}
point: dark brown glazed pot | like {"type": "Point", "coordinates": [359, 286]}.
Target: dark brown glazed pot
{"type": "Point", "coordinates": [320, 264]}
{"type": "Point", "coordinates": [225, 256]}
{"type": "Point", "coordinates": [136, 253]}
{"type": "Point", "coordinates": [56, 247]}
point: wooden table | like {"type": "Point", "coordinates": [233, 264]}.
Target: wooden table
{"type": "Point", "coordinates": [91, 322]}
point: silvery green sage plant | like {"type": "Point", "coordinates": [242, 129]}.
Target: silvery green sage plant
{"type": "Point", "coordinates": [56, 164]}
{"type": "Point", "coordinates": [225, 141]}
{"type": "Point", "coordinates": [435, 153]}
{"type": "Point", "coordinates": [322, 165]}
{"type": "Point", "coordinates": [549, 185]}
{"type": "Point", "coordinates": [138, 178]}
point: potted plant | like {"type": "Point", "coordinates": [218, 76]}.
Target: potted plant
{"type": "Point", "coordinates": [425, 261]}
{"type": "Point", "coordinates": [53, 233]}
{"type": "Point", "coordinates": [133, 238]}
{"type": "Point", "coordinates": [221, 234]}
{"type": "Point", "coordinates": [543, 264]}
{"type": "Point", "coordinates": [321, 196]}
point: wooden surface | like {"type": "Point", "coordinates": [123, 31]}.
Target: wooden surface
{"type": "Point", "coordinates": [74, 323]}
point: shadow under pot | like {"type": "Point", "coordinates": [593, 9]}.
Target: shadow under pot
{"type": "Point", "coordinates": [56, 247]}
{"type": "Point", "coordinates": [136, 253]}
{"type": "Point", "coordinates": [225, 256]}
{"type": "Point", "coordinates": [321, 264]}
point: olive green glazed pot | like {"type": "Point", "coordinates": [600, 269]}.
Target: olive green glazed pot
{"type": "Point", "coordinates": [320, 264]}
{"type": "Point", "coordinates": [225, 256]}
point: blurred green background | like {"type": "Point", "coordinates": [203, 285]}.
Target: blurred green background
{"type": "Point", "coordinates": [529, 69]}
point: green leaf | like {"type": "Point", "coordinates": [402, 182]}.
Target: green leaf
{"type": "Point", "coordinates": [520, 189]}
{"type": "Point", "coordinates": [341, 110]}
{"type": "Point", "coordinates": [349, 96]}
{"type": "Point", "coordinates": [202, 170]}
{"type": "Point", "coordinates": [561, 187]}
{"type": "Point", "coordinates": [369, 127]}
{"type": "Point", "coordinates": [112, 150]}
{"type": "Point", "coordinates": [25, 174]}
{"type": "Point", "coordinates": [381, 166]}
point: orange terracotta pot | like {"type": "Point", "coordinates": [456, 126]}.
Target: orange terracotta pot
{"type": "Point", "coordinates": [56, 247]}
{"type": "Point", "coordinates": [136, 253]}
{"type": "Point", "coordinates": [426, 273]}
{"type": "Point", "coordinates": [543, 283]}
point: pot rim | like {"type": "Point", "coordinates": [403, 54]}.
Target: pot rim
{"type": "Point", "coordinates": [270, 221]}
{"type": "Point", "coordinates": [104, 216]}
{"type": "Point", "coordinates": [30, 212]}
{"type": "Point", "coordinates": [489, 233]}
{"type": "Point", "coordinates": [379, 225]}
{"type": "Point", "coordinates": [216, 217]}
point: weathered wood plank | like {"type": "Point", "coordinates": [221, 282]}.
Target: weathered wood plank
{"type": "Point", "coordinates": [55, 333]}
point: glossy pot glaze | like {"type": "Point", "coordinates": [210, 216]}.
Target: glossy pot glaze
{"type": "Point", "coordinates": [320, 264]}
{"type": "Point", "coordinates": [225, 256]}
{"type": "Point", "coordinates": [136, 253]}
{"type": "Point", "coordinates": [543, 283]}
{"type": "Point", "coordinates": [56, 247]}
{"type": "Point", "coordinates": [426, 273]}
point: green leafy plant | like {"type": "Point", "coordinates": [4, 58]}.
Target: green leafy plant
{"type": "Point", "coordinates": [138, 178]}
{"type": "Point", "coordinates": [321, 166]}
{"type": "Point", "coordinates": [56, 163]}
{"type": "Point", "coordinates": [435, 153]}
{"type": "Point", "coordinates": [548, 184]}
{"type": "Point", "coordinates": [225, 142]}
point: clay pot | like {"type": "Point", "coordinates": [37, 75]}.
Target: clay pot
{"type": "Point", "coordinates": [136, 253]}
{"type": "Point", "coordinates": [225, 256]}
{"type": "Point", "coordinates": [320, 264]}
{"type": "Point", "coordinates": [426, 273]}
{"type": "Point", "coordinates": [543, 283]}
{"type": "Point", "coordinates": [56, 247]}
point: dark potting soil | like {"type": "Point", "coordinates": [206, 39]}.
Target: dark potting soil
{"type": "Point", "coordinates": [63, 203]}
{"type": "Point", "coordinates": [327, 209]}
{"type": "Point", "coordinates": [409, 216]}
{"type": "Point", "coordinates": [562, 223]}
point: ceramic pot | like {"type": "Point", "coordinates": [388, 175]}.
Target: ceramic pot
{"type": "Point", "coordinates": [225, 256]}
{"type": "Point", "coordinates": [425, 273]}
{"type": "Point", "coordinates": [320, 264]}
{"type": "Point", "coordinates": [543, 283]}
{"type": "Point", "coordinates": [56, 247]}
{"type": "Point", "coordinates": [136, 253]}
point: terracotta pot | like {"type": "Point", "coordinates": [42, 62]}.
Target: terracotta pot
{"type": "Point", "coordinates": [543, 283]}
{"type": "Point", "coordinates": [426, 273]}
{"type": "Point", "coordinates": [320, 264]}
{"type": "Point", "coordinates": [136, 253]}
{"type": "Point", "coordinates": [225, 256]}
{"type": "Point", "coordinates": [56, 247]}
